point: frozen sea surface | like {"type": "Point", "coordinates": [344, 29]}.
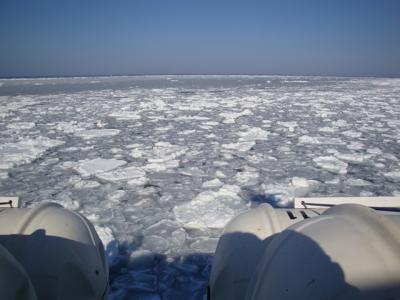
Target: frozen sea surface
{"type": "Point", "coordinates": [160, 163]}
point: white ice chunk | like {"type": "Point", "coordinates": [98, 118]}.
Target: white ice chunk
{"type": "Point", "coordinates": [281, 194]}
{"type": "Point", "coordinates": [95, 133]}
{"type": "Point", "coordinates": [210, 209]}
{"type": "Point", "coordinates": [393, 175]}
{"type": "Point", "coordinates": [98, 165]}
{"type": "Point", "coordinates": [25, 151]}
{"type": "Point", "coordinates": [161, 166]}
{"type": "Point", "coordinates": [375, 150]}
{"type": "Point", "coordinates": [302, 186]}
{"type": "Point", "coordinates": [121, 174]}
{"type": "Point", "coordinates": [138, 181]}
{"type": "Point", "coordinates": [241, 146]}
{"type": "Point", "coordinates": [168, 229]}
{"type": "Point", "coordinates": [125, 115]}
{"type": "Point", "coordinates": [249, 176]}
{"type": "Point", "coordinates": [355, 146]}
{"type": "Point", "coordinates": [215, 183]}
{"type": "Point", "coordinates": [109, 242]}
{"type": "Point", "coordinates": [70, 127]}
{"type": "Point", "coordinates": [352, 134]}
{"type": "Point", "coordinates": [253, 134]}
{"type": "Point", "coordinates": [138, 152]}
{"type": "Point", "coordinates": [155, 243]}
{"type": "Point", "coordinates": [230, 117]}
{"type": "Point", "coordinates": [205, 245]}
{"type": "Point", "coordinates": [357, 182]}
{"type": "Point", "coordinates": [331, 164]}
{"type": "Point", "coordinates": [21, 125]}
{"type": "Point", "coordinates": [86, 184]}
{"type": "Point", "coordinates": [327, 129]}
{"type": "Point", "coordinates": [354, 158]}
{"type": "Point", "coordinates": [116, 196]}
{"type": "Point", "coordinates": [340, 123]}
{"type": "Point", "coordinates": [320, 140]}
{"type": "Point", "coordinates": [164, 151]}
{"type": "Point", "coordinates": [289, 125]}
{"type": "Point", "coordinates": [163, 156]}
{"type": "Point", "coordinates": [220, 174]}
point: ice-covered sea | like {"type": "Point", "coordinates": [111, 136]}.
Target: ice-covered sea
{"type": "Point", "coordinates": [160, 163]}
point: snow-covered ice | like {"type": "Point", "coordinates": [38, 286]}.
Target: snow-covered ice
{"type": "Point", "coordinates": [25, 151]}
{"type": "Point", "coordinates": [128, 173]}
{"type": "Point", "coordinates": [97, 166]}
{"type": "Point", "coordinates": [97, 133]}
{"type": "Point", "coordinates": [210, 209]}
{"type": "Point", "coordinates": [160, 163]}
{"type": "Point", "coordinates": [331, 164]}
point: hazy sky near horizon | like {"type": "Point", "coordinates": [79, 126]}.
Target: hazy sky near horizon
{"type": "Point", "coordinates": [287, 37]}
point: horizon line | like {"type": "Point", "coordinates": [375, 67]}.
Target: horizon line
{"type": "Point", "coordinates": [193, 74]}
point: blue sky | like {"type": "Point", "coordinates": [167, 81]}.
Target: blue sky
{"type": "Point", "coordinates": [298, 37]}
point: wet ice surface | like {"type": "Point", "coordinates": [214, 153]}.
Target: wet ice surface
{"type": "Point", "coordinates": [159, 164]}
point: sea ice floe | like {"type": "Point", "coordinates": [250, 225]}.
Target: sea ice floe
{"type": "Point", "coordinates": [156, 243]}
{"type": "Point", "coordinates": [69, 127]}
{"type": "Point", "coordinates": [211, 209]}
{"type": "Point", "coordinates": [25, 151]}
{"type": "Point", "coordinates": [86, 184]}
{"type": "Point", "coordinates": [289, 125]}
{"type": "Point", "coordinates": [122, 174]}
{"type": "Point", "coordinates": [163, 156]}
{"type": "Point", "coordinates": [109, 242]}
{"type": "Point", "coordinates": [220, 174]}
{"type": "Point", "coordinates": [248, 176]}
{"type": "Point", "coordinates": [190, 118]}
{"type": "Point", "coordinates": [96, 166]}
{"type": "Point", "coordinates": [116, 196]}
{"type": "Point", "coordinates": [215, 183]}
{"type": "Point", "coordinates": [340, 123]}
{"type": "Point", "coordinates": [187, 132]}
{"type": "Point", "coordinates": [320, 140]}
{"type": "Point", "coordinates": [137, 181]}
{"type": "Point", "coordinates": [205, 245]}
{"type": "Point", "coordinates": [253, 134]}
{"type": "Point", "coordinates": [355, 146]}
{"type": "Point", "coordinates": [125, 115]}
{"type": "Point", "coordinates": [230, 117]}
{"type": "Point", "coordinates": [164, 151]}
{"type": "Point", "coordinates": [220, 163]}
{"type": "Point", "coordinates": [302, 186]}
{"type": "Point", "coordinates": [331, 164]}
{"type": "Point", "coordinates": [169, 230]}
{"type": "Point", "coordinates": [393, 175]}
{"type": "Point", "coordinates": [138, 151]}
{"type": "Point", "coordinates": [327, 129]}
{"type": "Point", "coordinates": [354, 158]}
{"type": "Point", "coordinates": [278, 194]}
{"type": "Point", "coordinates": [352, 133]}
{"type": "Point", "coordinates": [161, 166]}
{"type": "Point", "coordinates": [21, 125]}
{"type": "Point", "coordinates": [375, 151]}
{"type": "Point", "coordinates": [357, 182]}
{"type": "Point", "coordinates": [241, 146]}
{"type": "Point", "coordinates": [95, 133]}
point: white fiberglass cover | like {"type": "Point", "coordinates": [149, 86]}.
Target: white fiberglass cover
{"type": "Point", "coordinates": [348, 252]}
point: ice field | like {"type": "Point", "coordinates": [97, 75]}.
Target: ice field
{"type": "Point", "coordinates": [160, 163]}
